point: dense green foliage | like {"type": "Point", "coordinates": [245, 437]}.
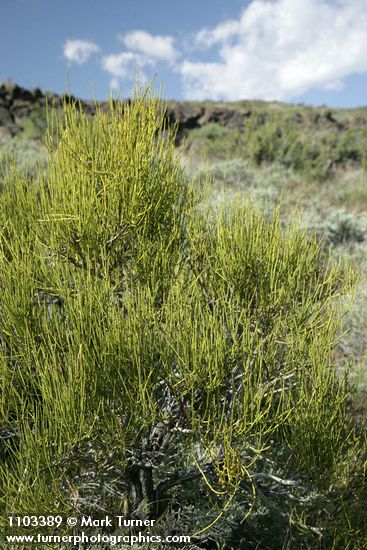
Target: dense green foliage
{"type": "Point", "coordinates": [277, 136]}
{"type": "Point", "coordinates": [148, 341]}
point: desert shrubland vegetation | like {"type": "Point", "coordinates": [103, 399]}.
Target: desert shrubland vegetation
{"type": "Point", "coordinates": [174, 336]}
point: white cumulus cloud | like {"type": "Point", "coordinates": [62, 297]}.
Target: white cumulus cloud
{"type": "Point", "coordinates": [143, 50]}
{"type": "Point", "coordinates": [79, 51]}
{"type": "Point", "coordinates": [154, 47]}
{"type": "Point", "coordinates": [124, 64]}
{"type": "Point", "coordinates": [280, 49]}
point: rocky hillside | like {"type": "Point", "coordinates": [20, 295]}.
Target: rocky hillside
{"type": "Point", "coordinates": [22, 113]}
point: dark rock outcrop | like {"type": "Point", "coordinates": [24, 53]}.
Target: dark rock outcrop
{"type": "Point", "coordinates": [185, 115]}
{"type": "Point", "coordinates": [7, 122]}
{"type": "Point", "coordinates": [17, 104]}
{"type": "Point", "coordinates": [230, 118]}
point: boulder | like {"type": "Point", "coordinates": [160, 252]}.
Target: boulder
{"type": "Point", "coordinates": [185, 115]}
{"type": "Point", "coordinates": [12, 91]}
{"type": "Point", "coordinates": [36, 94]}
{"type": "Point", "coordinates": [20, 108]}
{"type": "Point", "coordinates": [7, 121]}
{"type": "Point", "coordinates": [238, 118]}
{"type": "Point", "coordinates": [230, 118]}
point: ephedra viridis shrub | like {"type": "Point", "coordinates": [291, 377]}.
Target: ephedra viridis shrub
{"type": "Point", "coordinates": [161, 360]}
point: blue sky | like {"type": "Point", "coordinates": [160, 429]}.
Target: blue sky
{"type": "Point", "coordinates": [311, 51]}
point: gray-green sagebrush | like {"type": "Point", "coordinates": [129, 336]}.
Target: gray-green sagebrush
{"type": "Point", "coordinates": [162, 360]}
